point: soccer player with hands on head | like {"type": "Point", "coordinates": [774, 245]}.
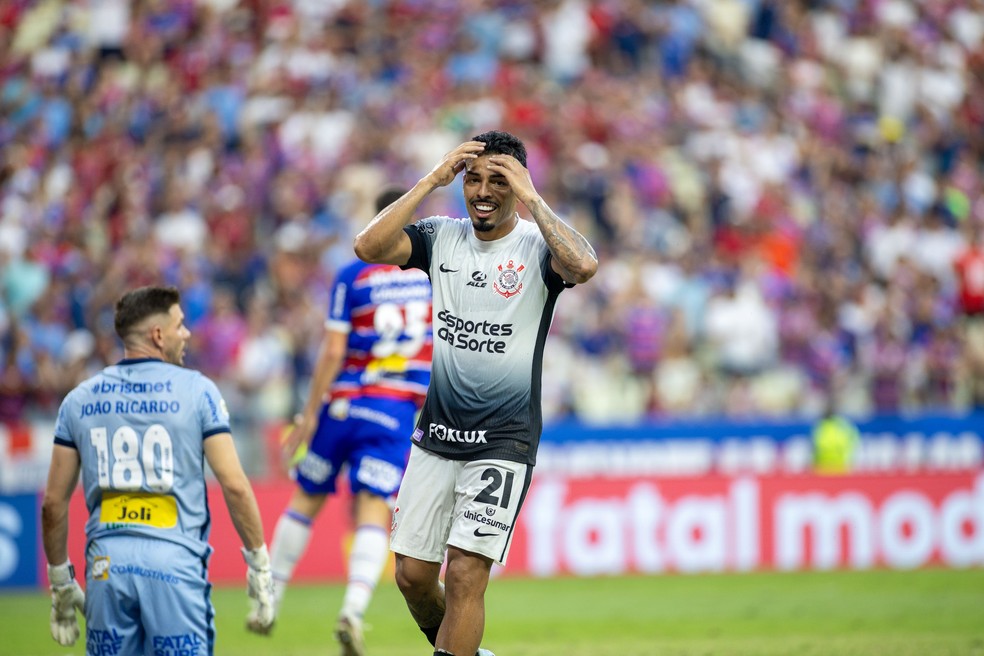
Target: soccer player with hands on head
{"type": "Point", "coordinates": [495, 279]}
{"type": "Point", "coordinates": [139, 433]}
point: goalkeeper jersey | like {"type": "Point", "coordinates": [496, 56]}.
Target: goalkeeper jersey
{"type": "Point", "coordinates": [139, 427]}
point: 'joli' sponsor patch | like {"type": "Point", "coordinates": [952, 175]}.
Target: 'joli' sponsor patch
{"type": "Point", "coordinates": [144, 508]}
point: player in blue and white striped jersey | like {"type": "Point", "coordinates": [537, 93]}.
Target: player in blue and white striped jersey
{"type": "Point", "coordinates": [370, 380]}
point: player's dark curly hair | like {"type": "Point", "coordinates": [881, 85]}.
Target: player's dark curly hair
{"type": "Point", "coordinates": [498, 142]}
{"type": "Point", "coordinates": [140, 303]}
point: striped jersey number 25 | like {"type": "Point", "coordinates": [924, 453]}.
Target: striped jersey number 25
{"type": "Point", "coordinates": [392, 323]}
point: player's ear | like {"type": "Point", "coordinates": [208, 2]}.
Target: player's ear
{"type": "Point", "coordinates": [157, 334]}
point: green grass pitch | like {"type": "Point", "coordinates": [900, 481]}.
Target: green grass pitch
{"type": "Point", "coordinates": [925, 612]}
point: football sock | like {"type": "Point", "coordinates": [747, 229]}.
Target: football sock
{"type": "Point", "coordinates": [370, 550]}
{"type": "Point", "coordinates": [290, 541]}
{"type": "Point", "coordinates": [431, 634]}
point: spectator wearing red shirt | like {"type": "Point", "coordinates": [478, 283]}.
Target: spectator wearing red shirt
{"type": "Point", "coordinates": [969, 267]}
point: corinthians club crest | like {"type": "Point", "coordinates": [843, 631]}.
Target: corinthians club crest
{"type": "Point", "coordinates": [508, 282]}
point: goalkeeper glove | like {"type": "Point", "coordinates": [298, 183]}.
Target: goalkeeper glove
{"type": "Point", "coordinates": [66, 598]}
{"type": "Point", "coordinates": [259, 586]}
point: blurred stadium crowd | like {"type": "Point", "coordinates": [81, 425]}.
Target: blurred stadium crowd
{"type": "Point", "coordinates": [785, 195]}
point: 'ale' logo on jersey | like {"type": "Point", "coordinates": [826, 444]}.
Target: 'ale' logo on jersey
{"type": "Point", "coordinates": [508, 282]}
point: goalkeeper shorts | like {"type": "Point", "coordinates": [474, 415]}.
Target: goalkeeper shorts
{"type": "Point", "coordinates": [146, 596]}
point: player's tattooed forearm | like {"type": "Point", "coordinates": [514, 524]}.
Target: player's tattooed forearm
{"type": "Point", "coordinates": [567, 244]}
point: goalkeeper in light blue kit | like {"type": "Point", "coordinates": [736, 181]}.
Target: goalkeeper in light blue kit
{"type": "Point", "coordinates": [140, 432]}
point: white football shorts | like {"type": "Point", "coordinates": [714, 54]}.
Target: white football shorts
{"type": "Point", "coordinates": [471, 505]}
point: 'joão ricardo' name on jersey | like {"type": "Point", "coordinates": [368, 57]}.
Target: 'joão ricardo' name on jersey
{"type": "Point", "coordinates": [478, 336]}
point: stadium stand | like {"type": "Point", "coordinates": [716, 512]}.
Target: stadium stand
{"type": "Point", "coordinates": [786, 195]}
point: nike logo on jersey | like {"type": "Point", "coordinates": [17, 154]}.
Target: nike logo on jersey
{"type": "Point", "coordinates": [444, 269]}
{"type": "Point", "coordinates": [479, 534]}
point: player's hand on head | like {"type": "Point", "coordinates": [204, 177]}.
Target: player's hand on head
{"type": "Point", "coordinates": [454, 162]}
{"type": "Point", "coordinates": [259, 587]}
{"type": "Point", "coordinates": [66, 598]}
{"type": "Point", "coordinates": [517, 175]}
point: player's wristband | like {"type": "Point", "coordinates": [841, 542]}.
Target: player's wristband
{"type": "Point", "coordinates": [61, 574]}
{"type": "Point", "coordinates": [258, 558]}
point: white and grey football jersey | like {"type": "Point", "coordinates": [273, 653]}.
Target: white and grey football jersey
{"type": "Point", "coordinates": [493, 304]}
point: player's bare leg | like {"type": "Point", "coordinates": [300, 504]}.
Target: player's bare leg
{"type": "Point", "coordinates": [466, 579]}
{"type": "Point", "coordinates": [420, 583]}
